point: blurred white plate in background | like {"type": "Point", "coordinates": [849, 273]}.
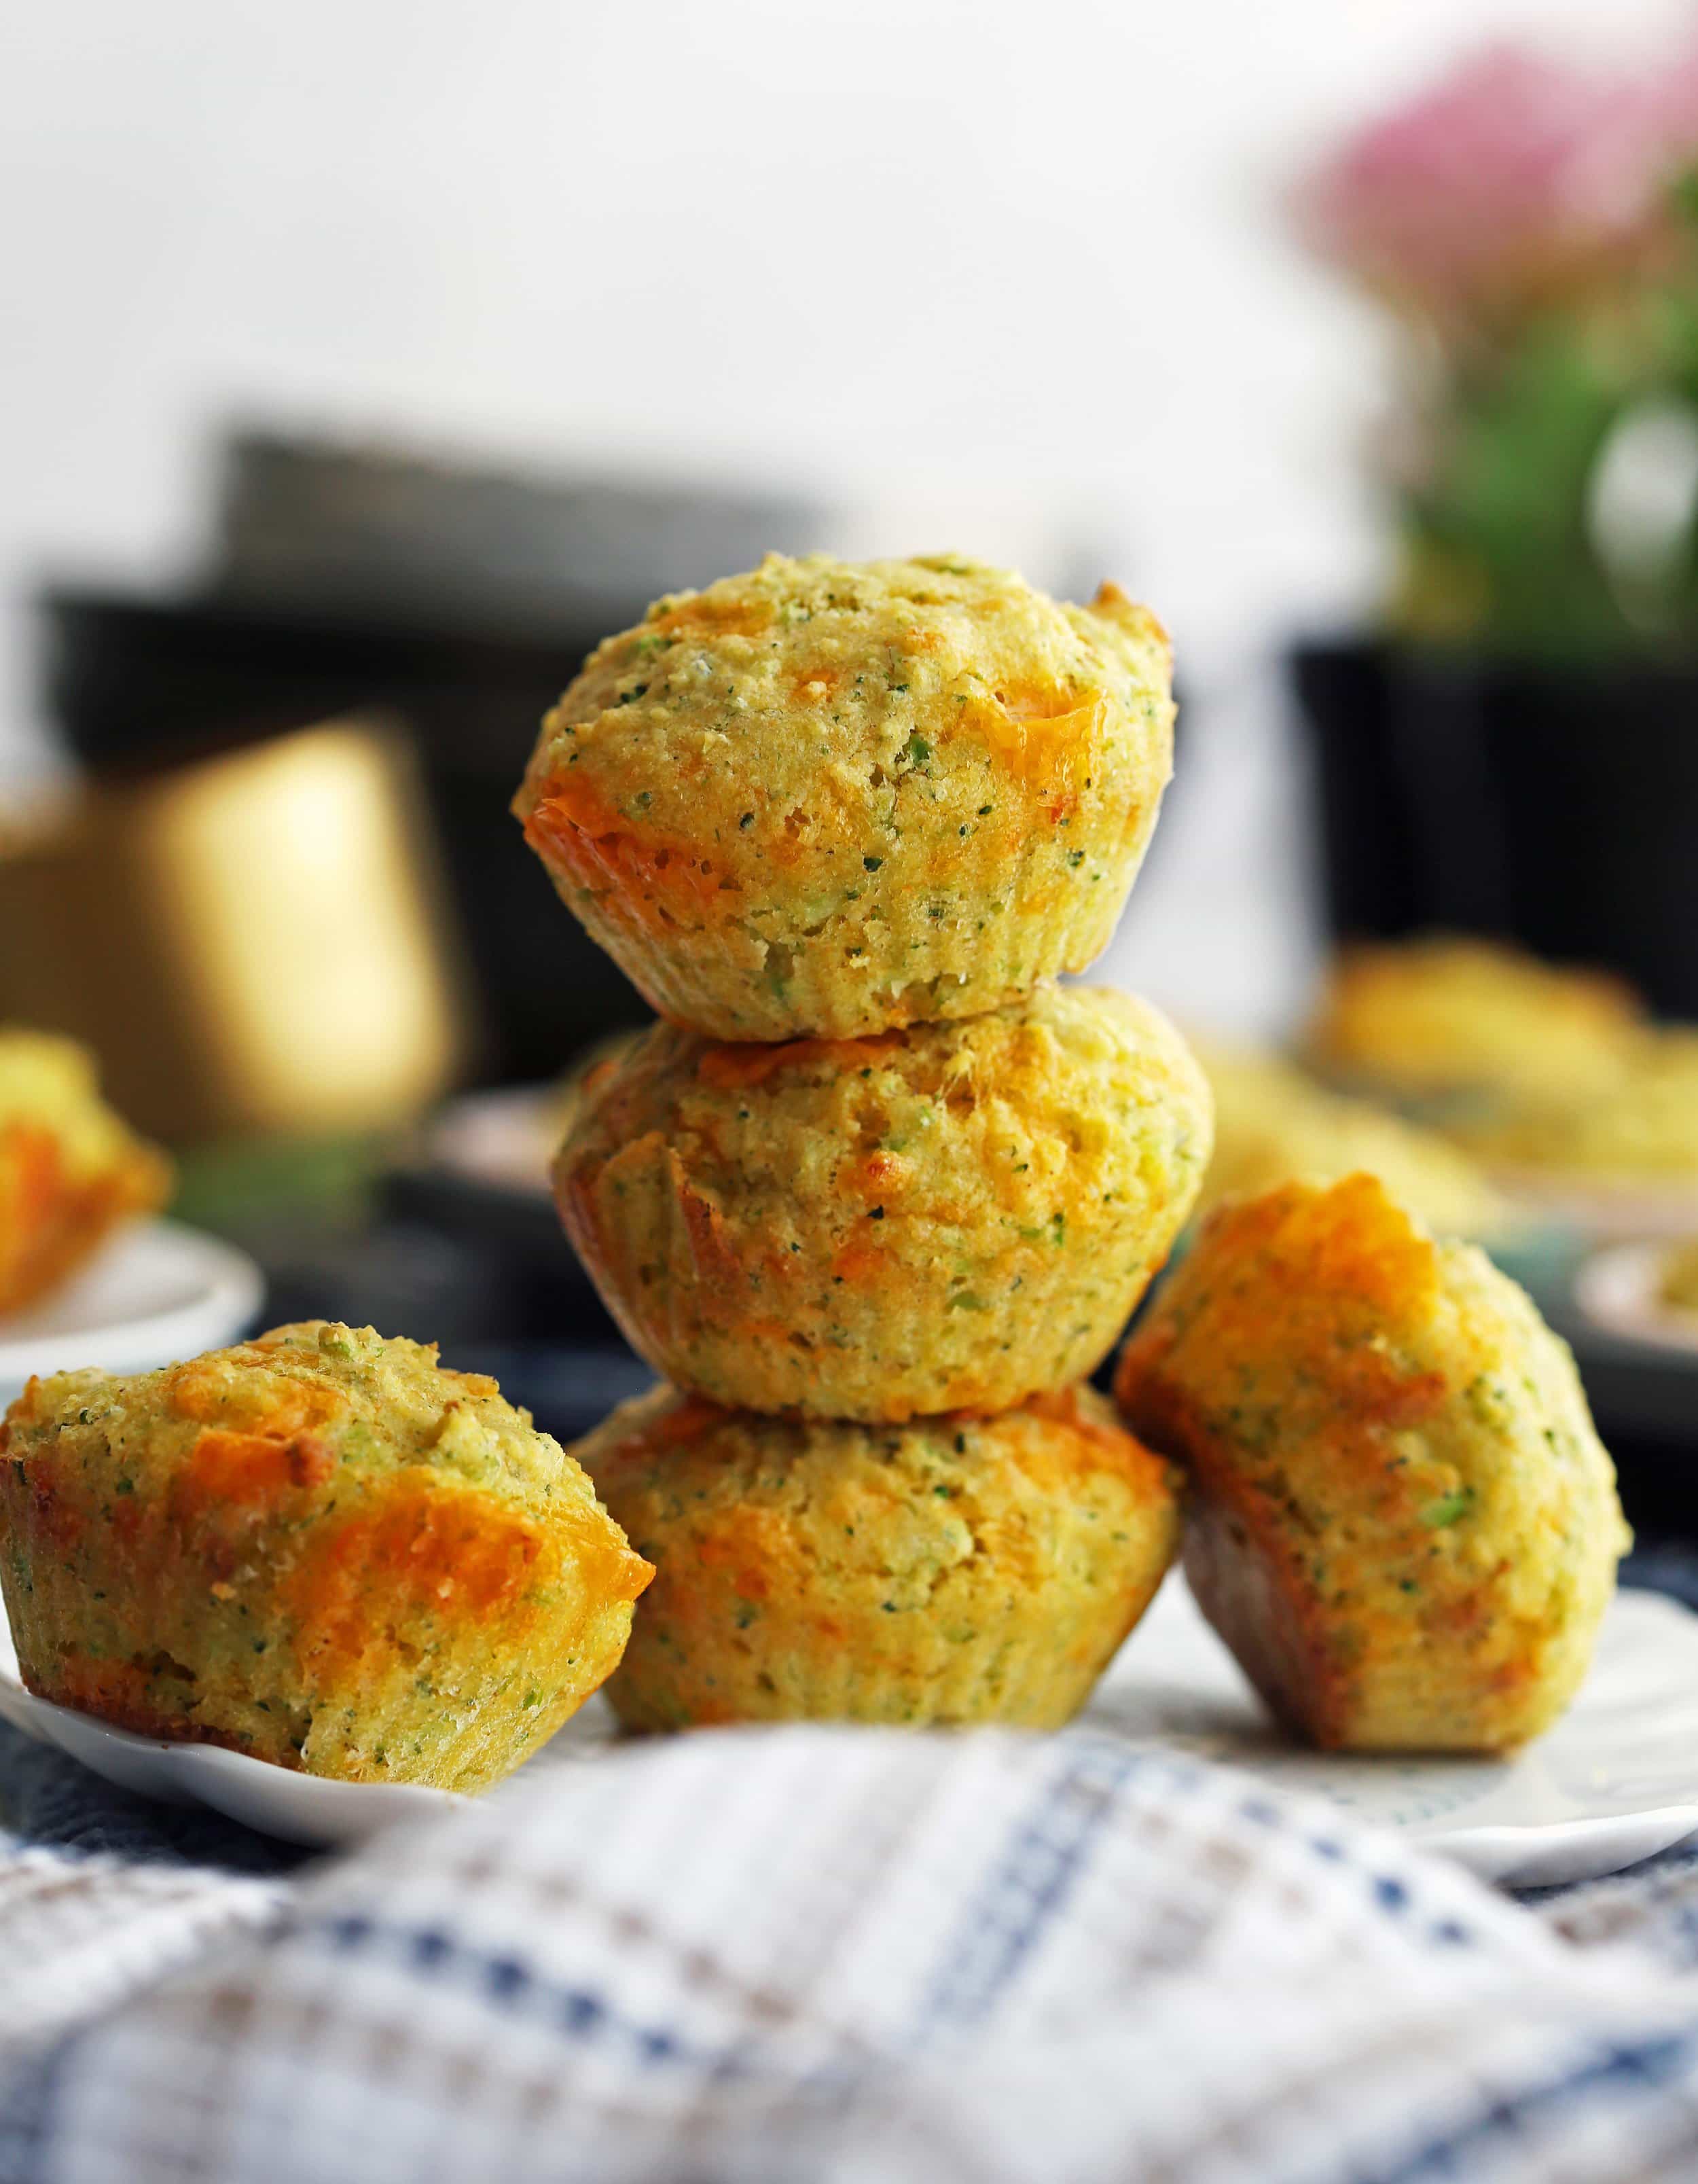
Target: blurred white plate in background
{"type": "Point", "coordinates": [1615, 1781]}
{"type": "Point", "coordinates": [156, 1293]}
{"type": "Point", "coordinates": [504, 1140]}
{"type": "Point", "coordinates": [1621, 1291]}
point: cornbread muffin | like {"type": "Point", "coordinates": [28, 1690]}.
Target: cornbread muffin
{"type": "Point", "coordinates": [946, 1217]}
{"type": "Point", "coordinates": [1273, 1121]}
{"type": "Point", "coordinates": [1642, 1127]}
{"type": "Point", "coordinates": [1679, 1285]}
{"type": "Point", "coordinates": [950, 1570]}
{"type": "Point", "coordinates": [1446, 1017]}
{"type": "Point", "coordinates": [582, 1074]}
{"type": "Point", "coordinates": [826, 798]}
{"type": "Point", "coordinates": [1401, 1522]}
{"type": "Point", "coordinates": [319, 1547]}
{"type": "Point", "coordinates": [70, 1172]}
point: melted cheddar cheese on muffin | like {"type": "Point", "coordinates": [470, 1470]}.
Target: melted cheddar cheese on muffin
{"type": "Point", "coordinates": [1402, 1520]}
{"type": "Point", "coordinates": [826, 798]}
{"type": "Point", "coordinates": [321, 1548]}
{"type": "Point", "coordinates": [951, 1217]}
{"type": "Point", "coordinates": [949, 1570]}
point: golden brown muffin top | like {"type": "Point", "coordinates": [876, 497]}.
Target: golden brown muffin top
{"type": "Point", "coordinates": [1318, 1341]}
{"type": "Point", "coordinates": [1044, 1092]}
{"type": "Point", "coordinates": [1403, 1522]}
{"type": "Point", "coordinates": [289, 1410]}
{"type": "Point", "coordinates": [1058, 1439]}
{"type": "Point", "coordinates": [787, 711]}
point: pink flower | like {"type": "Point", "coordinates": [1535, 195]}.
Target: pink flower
{"type": "Point", "coordinates": [1513, 176]}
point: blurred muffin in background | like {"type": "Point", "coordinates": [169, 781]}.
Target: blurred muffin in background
{"type": "Point", "coordinates": [321, 1548]}
{"type": "Point", "coordinates": [70, 1170]}
{"type": "Point", "coordinates": [948, 1217]}
{"type": "Point", "coordinates": [1642, 1127]}
{"type": "Point", "coordinates": [826, 798]}
{"type": "Point", "coordinates": [1679, 1285]}
{"type": "Point", "coordinates": [1443, 1017]}
{"type": "Point", "coordinates": [1273, 1121]}
{"type": "Point", "coordinates": [1400, 1518]}
{"type": "Point", "coordinates": [950, 1570]}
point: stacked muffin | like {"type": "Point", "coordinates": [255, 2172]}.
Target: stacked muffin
{"type": "Point", "coordinates": [878, 1195]}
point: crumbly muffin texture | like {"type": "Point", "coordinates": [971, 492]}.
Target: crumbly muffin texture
{"type": "Point", "coordinates": [946, 1571]}
{"type": "Point", "coordinates": [1401, 1520]}
{"type": "Point", "coordinates": [825, 799]}
{"type": "Point", "coordinates": [319, 1547]}
{"type": "Point", "coordinates": [951, 1217]}
{"type": "Point", "coordinates": [70, 1170]}
{"type": "Point", "coordinates": [1447, 1016]}
{"type": "Point", "coordinates": [1273, 1122]}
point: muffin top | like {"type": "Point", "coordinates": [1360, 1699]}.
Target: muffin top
{"type": "Point", "coordinates": [946, 1570]}
{"type": "Point", "coordinates": [813, 705]}
{"type": "Point", "coordinates": [275, 1420]}
{"type": "Point", "coordinates": [1408, 1419]}
{"type": "Point", "coordinates": [50, 1084]}
{"type": "Point", "coordinates": [942, 1218]}
{"type": "Point", "coordinates": [820, 756]}
{"type": "Point", "coordinates": [1022, 1119]}
{"type": "Point", "coordinates": [894, 1509]}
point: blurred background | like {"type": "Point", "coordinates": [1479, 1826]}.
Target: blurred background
{"type": "Point", "coordinates": [363, 365]}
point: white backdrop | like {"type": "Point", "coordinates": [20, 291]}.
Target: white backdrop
{"type": "Point", "coordinates": [996, 270]}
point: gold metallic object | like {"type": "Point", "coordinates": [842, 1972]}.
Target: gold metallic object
{"type": "Point", "coordinates": [255, 942]}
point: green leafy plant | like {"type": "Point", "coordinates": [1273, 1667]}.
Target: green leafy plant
{"type": "Point", "coordinates": [1536, 231]}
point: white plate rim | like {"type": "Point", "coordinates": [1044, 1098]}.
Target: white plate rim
{"type": "Point", "coordinates": [485, 1138]}
{"type": "Point", "coordinates": [278, 1801]}
{"type": "Point", "coordinates": [1619, 1290]}
{"type": "Point", "coordinates": [1559, 1851]}
{"type": "Point", "coordinates": [231, 1293]}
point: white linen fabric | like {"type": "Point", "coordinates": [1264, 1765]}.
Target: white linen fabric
{"type": "Point", "coordinates": [817, 1954]}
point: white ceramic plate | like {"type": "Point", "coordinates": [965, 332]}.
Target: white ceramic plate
{"type": "Point", "coordinates": [156, 1293]}
{"type": "Point", "coordinates": [1615, 1781]}
{"type": "Point", "coordinates": [1621, 1291]}
{"type": "Point", "coordinates": [504, 1141]}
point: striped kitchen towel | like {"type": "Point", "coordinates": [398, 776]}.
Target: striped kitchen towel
{"type": "Point", "coordinates": [817, 1954]}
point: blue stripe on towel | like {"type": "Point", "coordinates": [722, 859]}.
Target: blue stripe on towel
{"type": "Point", "coordinates": [1641, 2067]}
{"type": "Point", "coordinates": [506, 1982]}
{"type": "Point", "coordinates": [1032, 1877]}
